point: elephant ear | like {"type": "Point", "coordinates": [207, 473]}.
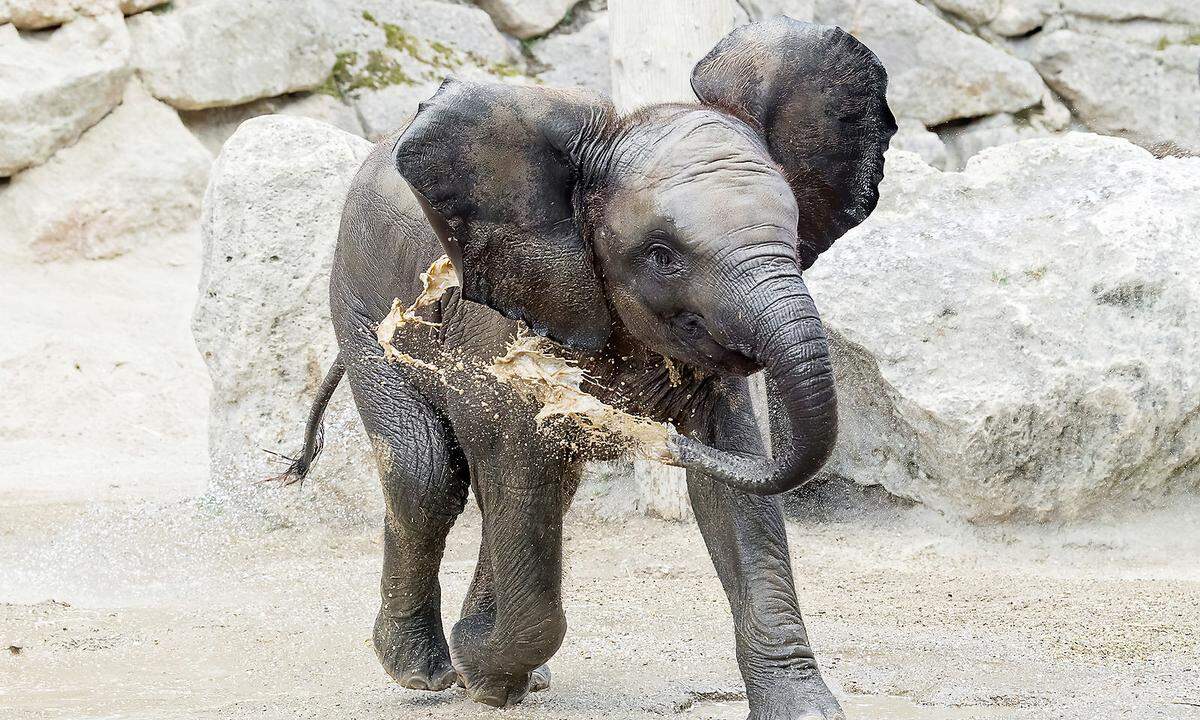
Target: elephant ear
{"type": "Point", "coordinates": [492, 166]}
{"type": "Point", "coordinates": [818, 96]}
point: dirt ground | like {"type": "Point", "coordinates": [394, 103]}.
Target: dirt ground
{"type": "Point", "coordinates": [192, 610]}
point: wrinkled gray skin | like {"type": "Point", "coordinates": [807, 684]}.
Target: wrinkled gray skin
{"type": "Point", "coordinates": [673, 232]}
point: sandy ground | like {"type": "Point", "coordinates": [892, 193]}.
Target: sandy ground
{"type": "Point", "coordinates": [126, 593]}
{"type": "Point", "coordinates": [193, 611]}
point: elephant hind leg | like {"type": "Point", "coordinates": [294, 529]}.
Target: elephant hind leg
{"type": "Point", "coordinates": [425, 479]}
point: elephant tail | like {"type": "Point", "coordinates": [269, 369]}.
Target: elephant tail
{"type": "Point", "coordinates": [314, 430]}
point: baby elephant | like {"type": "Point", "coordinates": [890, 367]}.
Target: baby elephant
{"type": "Point", "coordinates": [662, 251]}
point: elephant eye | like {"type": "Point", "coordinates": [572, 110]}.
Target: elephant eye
{"type": "Point", "coordinates": [661, 255]}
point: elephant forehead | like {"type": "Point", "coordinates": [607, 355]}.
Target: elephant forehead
{"type": "Point", "coordinates": [712, 176]}
{"type": "Point", "coordinates": [688, 140]}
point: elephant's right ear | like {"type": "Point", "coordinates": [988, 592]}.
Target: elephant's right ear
{"type": "Point", "coordinates": [819, 96]}
{"type": "Point", "coordinates": [494, 167]}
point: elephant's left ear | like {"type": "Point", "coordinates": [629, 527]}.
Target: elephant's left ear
{"type": "Point", "coordinates": [819, 97]}
{"type": "Point", "coordinates": [495, 168]}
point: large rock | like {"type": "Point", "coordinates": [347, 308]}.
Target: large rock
{"type": "Point", "coordinates": [39, 14]}
{"type": "Point", "coordinates": [936, 73]}
{"type": "Point", "coordinates": [364, 25]}
{"type": "Point", "coordinates": [912, 136]}
{"type": "Point", "coordinates": [764, 9]}
{"type": "Point", "coordinates": [129, 7]}
{"type": "Point", "coordinates": [1150, 19]}
{"type": "Point", "coordinates": [975, 12]}
{"type": "Point", "coordinates": [55, 85]}
{"type": "Point", "coordinates": [1020, 339]}
{"type": "Point", "coordinates": [965, 140]}
{"type": "Point", "coordinates": [82, 203]}
{"type": "Point", "coordinates": [526, 18]}
{"type": "Point", "coordinates": [229, 52]}
{"type": "Point", "coordinates": [578, 58]}
{"type": "Point", "coordinates": [216, 125]}
{"type": "Point", "coordinates": [269, 226]}
{"type": "Point", "coordinates": [1148, 95]}
{"type": "Point", "coordinates": [1014, 17]}
{"type": "Point", "coordinates": [392, 54]}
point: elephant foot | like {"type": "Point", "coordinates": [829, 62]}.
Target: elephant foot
{"type": "Point", "coordinates": [802, 698]}
{"type": "Point", "coordinates": [539, 679]}
{"type": "Point", "coordinates": [498, 690]}
{"type": "Point", "coordinates": [413, 652]}
{"type": "Point", "coordinates": [499, 680]}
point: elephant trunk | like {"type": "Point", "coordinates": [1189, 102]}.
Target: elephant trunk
{"type": "Point", "coordinates": [783, 333]}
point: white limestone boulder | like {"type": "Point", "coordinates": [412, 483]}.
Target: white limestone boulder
{"type": "Point", "coordinates": [54, 85]}
{"type": "Point", "coordinates": [393, 54]}
{"type": "Point", "coordinates": [975, 12]}
{"type": "Point", "coordinates": [216, 125]}
{"type": "Point", "coordinates": [1020, 340]}
{"type": "Point", "coordinates": [912, 136]}
{"type": "Point", "coordinates": [135, 177]}
{"type": "Point", "coordinates": [269, 227]}
{"type": "Point", "coordinates": [577, 59]}
{"type": "Point", "coordinates": [1017, 17]}
{"type": "Point", "coordinates": [526, 18]}
{"type": "Point", "coordinates": [965, 140]}
{"type": "Point", "coordinates": [765, 9]}
{"type": "Point", "coordinates": [1150, 95]}
{"type": "Point", "coordinates": [936, 73]}
{"type": "Point", "coordinates": [41, 14]}
{"type": "Point", "coordinates": [229, 52]}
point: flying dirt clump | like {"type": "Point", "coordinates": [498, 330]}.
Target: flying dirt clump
{"type": "Point", "coordinates": [531, 368]}
{"type": "Point", "coordinates": [435, 281]}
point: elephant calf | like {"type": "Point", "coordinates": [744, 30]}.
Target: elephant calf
{"type": "Point", "coordinates": [662, 250]}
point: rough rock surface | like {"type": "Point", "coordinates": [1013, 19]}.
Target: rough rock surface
{"type": "Point", "coordinates": [216, 125]}
{"type": "Point", "coordinates": [391, 55]}
{"type": "Point", "coordinates": [1017, 17]}
{"type": "Point", "coordinates": [40, 14]}
{"type": "Point", "coordinates": [228, 52]}
{"type": "Point", "coordinates": [912, 136]}
{"type": "Point", "coordinates": [936, 72]}
{"type": "Point", "coordinates": [36, 14]}
{"type": "Point", "coordinates": [1148, 95]}
{"type": "Point", "coordinates": [579, 58]}
{"type": "Point", "coordinates": [82, 204]}
{"type": "Point", "coordinates": [1043, 371]}
{"type": "Point", "coordinates": [56, 85]}
{"type": "Point", "coordinates": [975, 12]}
{"type": "Point", "coordinates": [526, 18]}
{"type": "Point", "coordinates": [269, 226]}
{"type": "Point", "coordinates": [763, 9]}
{"type": "Point", "coordinates": [964, 141]}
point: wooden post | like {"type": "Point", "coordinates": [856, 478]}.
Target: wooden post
{"type": "Point", "coordinates": [653, 45]}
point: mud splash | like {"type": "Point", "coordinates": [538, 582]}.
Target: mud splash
{"type": "Point", "coordinates": [530, 368]}
{"type": "Point", "coordinates": [435, 281]}
{"type": "Point", "coordinates": [533, 371]}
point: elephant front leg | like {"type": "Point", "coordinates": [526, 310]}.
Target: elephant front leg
{"type": "Point", "coordinates": [513, 619]}
{"type": "Point", "coordinates": [747, 540]}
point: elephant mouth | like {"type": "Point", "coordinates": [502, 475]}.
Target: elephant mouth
{"type": "Point", "coordinates": [704, 352]}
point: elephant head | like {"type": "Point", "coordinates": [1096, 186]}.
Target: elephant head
{"type": "Point", "coordinates": [690, 224]}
